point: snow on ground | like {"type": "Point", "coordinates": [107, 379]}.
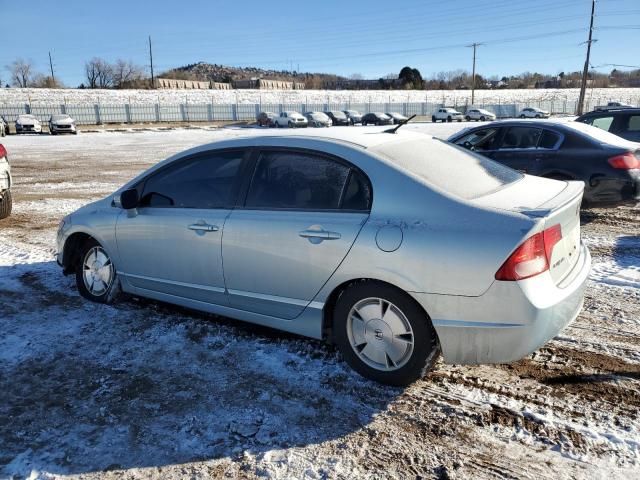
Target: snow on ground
{"type": "Point", "coordinates": [146, 390]}
{"type": "Point", "coordinates": [14, 96]}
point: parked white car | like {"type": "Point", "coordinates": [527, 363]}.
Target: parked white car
{"type": "Point", "coordinates": [479, 114]}
{"type": "Point", "coordinates": [447, 115]}
{"type": "Point", "coordinates": [5, 184]}
{"type": "Point", "coordinates": [62, 124]}
{"type": "Point", "coordinates": [291, 120]}
{"type": "Point", "coordinates": [613, 106]}
{"type": "Point", "coordinates": [28, 124]}
{"type": "Point", "coordinates": [532, 112]}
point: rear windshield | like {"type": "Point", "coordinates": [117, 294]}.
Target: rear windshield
{"type": "Point", "coordinates": [455, 170]}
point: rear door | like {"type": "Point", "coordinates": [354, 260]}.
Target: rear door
{"type": "Point", "coordinates": [518, 148]}
{"type": "Point", "coordinates": [172, 244]}
{"type": "Point", "coordinates": [302, 213]}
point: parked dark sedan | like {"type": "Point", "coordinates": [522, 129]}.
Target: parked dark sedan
{"type": "Point", "coordinates": [624, 122]}
{"type": "Point", "coordinates": [354, 116]}
{"type": "Point", "coordinates": [338, 117]}
{"type": "Point", "coordinates": [266, 119]}
{"type": "Point", "coordinates": [376, 118]}
{"type": "Point", "coordinates": [608, 165]}
{"type": "Point", "coordinates": [396, 118]}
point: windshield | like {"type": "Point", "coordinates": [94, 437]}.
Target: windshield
{"type": "Point", "coordinates": [318, 116]}
{"type": "Point", "coordinates": [60, 117]}
{"type": "Point", "coordinates": [456, 171]}
{"type": "Point", "coordinates": [338, 114]}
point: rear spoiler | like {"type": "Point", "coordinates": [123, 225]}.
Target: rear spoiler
{"type": "Point", "coordinates": [568, 195]}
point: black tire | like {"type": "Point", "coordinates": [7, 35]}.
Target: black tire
{"type": "Point", "coordinates": [467, 118]}
{"type": "Point", "coordinates": [112, 291]}
{"type": "Point", "coordinates": [290, 124]}
{"type": "Point", "coordinates": [364, 124]}
{"type": "Point", "coordinates": [537, 116]}
{"type": "Point", "coordinates": [523, 116]}
{"type": "Point", "coordinates": [433, 118]}
{"type": "Point", "coordinates": [425, 341]}
{"type": "Point", "coordinates": [482, 119]}
{"type": "Point", "coordinates": [6, 204]}
{"type": "Point", "coordinates": [449, 119]}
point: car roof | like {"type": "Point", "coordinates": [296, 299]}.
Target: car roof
{"type": "Point", "coordinates": [612, 110]}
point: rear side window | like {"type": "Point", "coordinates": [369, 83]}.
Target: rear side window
{"type": "Point", "coordinates": [604, 123]}
{"type": "Point", "coordinates": [549, 139]}
{"type": "Point", "coordinates": [206, 181]}
{"type": "Point", "coordinates": [634, 123]}
{"type": "Point", "coordinates": [304, 181]}
{"type": "Point", "coordinates": [457, 171]}
{"type": "Point", "coordinates": [521, 137]}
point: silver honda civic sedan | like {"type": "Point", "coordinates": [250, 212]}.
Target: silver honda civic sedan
{"type": "Point", "coordinates": [394, 246]}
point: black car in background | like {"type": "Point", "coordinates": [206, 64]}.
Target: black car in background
{"type": "Point", "coordinates": [377, 118]}
{"type": "Point", "coordinates": [266, 119]}
{"type": "Point", "coordinates": [608, 165]}
{"type": "Point", "coordinates": [338, 117]}
{"type": "Point", "coordinates": [624, 122]}
{"type": "Point", "coordinates": [353, 115]}
{"type": "Point", "coordinates": [396, 118]}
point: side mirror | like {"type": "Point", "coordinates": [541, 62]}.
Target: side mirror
{"type": "Point", "coordinates": [129, 199]}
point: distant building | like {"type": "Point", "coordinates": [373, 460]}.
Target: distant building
{"type": "Point", "coordinates": [190, 84]}
{"type": "Point", "coordinates": [267, 84]}
{"type": "Point", "coordinates": [361, 84]}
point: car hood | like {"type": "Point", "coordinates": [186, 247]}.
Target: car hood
{"type": "Point", "coordinates": [27, 121]}
{"type": "Point", "coordinates": [67, 121]}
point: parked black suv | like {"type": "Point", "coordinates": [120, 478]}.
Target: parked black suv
{"type": "Point", "coordinates": [624, 122]}
{"type": "Point", "coordinates": [338, 117]}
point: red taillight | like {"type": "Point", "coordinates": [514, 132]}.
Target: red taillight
{"type": "Point", "coordinates": [3, 151]}
{"type": "Point", "coordinates": [626, 161]}
{"type": "Point", "coordinates": [532, 257]}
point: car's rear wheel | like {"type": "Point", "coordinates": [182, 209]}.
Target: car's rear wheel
{"type": "Point", "coordinates": [383, 333]}
{"type": "Point", "coordinates": [6, 204]}
{"type": "Point", "coordinates": [95, 273]}
{"type": "Point", "coordinates": [433, 118]}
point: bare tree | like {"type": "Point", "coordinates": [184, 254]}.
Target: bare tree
{"type": "Point", "coordinates": [126, 73]}
{"type": "Point", "coordinates": [356, 76]}
{"type": "Point", "coordinates": [21, 72]}
{"type": "Point", "coordinates": [42, 81]}
{"type": "Point", "coordinates": [99, 73]}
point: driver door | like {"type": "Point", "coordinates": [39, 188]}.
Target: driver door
{"type": "Point", "coordinates": [172, 242]}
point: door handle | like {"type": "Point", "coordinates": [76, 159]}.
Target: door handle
{"type": "Point", "coordinates": [320, 234]}
{"type": "Point", "coordinates": [203, 227]}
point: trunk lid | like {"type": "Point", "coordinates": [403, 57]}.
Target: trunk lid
{"type": "Point", "coordinates": [553, 202]}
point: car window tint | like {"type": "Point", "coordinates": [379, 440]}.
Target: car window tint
{"type": "Point", "coordinates": [297, 180]}
{"type": "Point", "coordinates": [549, 139]}
{"type": "Point", "coordinates": [357, 194]}
{"type": "Point", "coordinates": [634, 123]}
{"type": "Point", "coordinates": [603, 123]}
{"type": "Point", "coordinates": [206, 181]}
{"type": "Point", "coordinates": [480, 139]}
{"type": "Point", "coordinates": [521, 137]}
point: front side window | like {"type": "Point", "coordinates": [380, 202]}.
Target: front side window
{"type": "Point", "coordinates": [521, 137]}
{"type": "Point", "coordinates": [480, 140]}
{"type": "Point", "coordinates": [603, 123]}
{"type": "Point", "coordinates": [206, 181]}
{"type": "Point", "coordinates": [300, 180]}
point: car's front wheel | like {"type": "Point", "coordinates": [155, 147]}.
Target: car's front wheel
{"type": "Point", "coordinates": [383, 333]}
{"type": "Point", "coordinates": [482, 119]}
{"type": "Point", "coordinates": [449, 119]}
{"type": "Point", "coordinates": [467, 118]}
{"type": "Point", "coordinates": [96, 273]}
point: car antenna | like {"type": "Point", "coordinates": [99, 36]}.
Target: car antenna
{"type": "Point", "coordinates": [403, 122]}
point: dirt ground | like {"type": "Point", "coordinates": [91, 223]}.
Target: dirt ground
{"type": "Point", "coordinates": [146, 390]}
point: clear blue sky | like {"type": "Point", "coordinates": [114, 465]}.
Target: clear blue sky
{"type": "Point", "coordinates": [371, 37]}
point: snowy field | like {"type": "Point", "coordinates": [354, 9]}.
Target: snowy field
{"type": "Point", "coordinates": [14, 96]}
{"type": "Point", "coordinates": [147, 390]}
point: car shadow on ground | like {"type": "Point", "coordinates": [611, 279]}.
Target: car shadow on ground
{"type": "Point", "coordinates": [89, 387]}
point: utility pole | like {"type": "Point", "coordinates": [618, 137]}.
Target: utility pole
{"type": "Point", "coordinates": [153, 82]}
{"type": "Point", "coordinates": [473, 75]}
{"type": "Point", "coordinates": [585, 71]}
{"type": "Point", "coordinates": [53, 78]}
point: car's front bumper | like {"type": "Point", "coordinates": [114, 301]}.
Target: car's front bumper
{"type": "Point", "coordinates": [510, 320]}
{"type": "Point", "coordinates": [63, 128]}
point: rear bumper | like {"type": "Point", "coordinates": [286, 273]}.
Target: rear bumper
{"type": "Point", "coordinates": [612, 191]}
{"type": "Point", "coordinates": [509, 321]}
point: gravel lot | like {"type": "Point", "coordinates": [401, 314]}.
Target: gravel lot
{"type": "Point", "coordinates": [147, 390]}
